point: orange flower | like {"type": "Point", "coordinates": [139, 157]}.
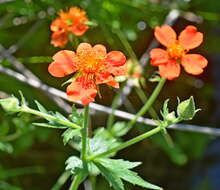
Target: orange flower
{"type": "Point", "coordinates": [71, 22]}
{"type": "Point", "coordinates": [93, 66]}
{"type": "Point", "coordinates": [169, 60]}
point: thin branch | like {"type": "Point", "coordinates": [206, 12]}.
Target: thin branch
{"type": "Point", "coordinates": [98, 107]}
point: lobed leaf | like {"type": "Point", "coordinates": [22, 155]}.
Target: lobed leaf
{"type": "Point", "coordinates": [133, 178]}
{"type": "Point", "coordinates": [118, 164]}
{"type": "Point", "coordinates": [113, 179]}
{"type": "Point", "coordinates": [119, 129]}
{"type": "Point", "coordinates": [69, 134]}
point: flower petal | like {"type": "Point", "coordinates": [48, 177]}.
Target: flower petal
{"type": "Point", "coordinates": [158, 56]}
{"type": "Point", "coordinates": [170, 70]}
{"type": "Point", "coordinates": [79, 30]}
{"type": "Point", "coordinates": [194, 63]}
{"type": "Point", "coordinates": [82, 89]}
{"type": "Point", "coordinates": [106, 77]}
{"type": "Point", "coordinates": [118, 71]}
{"type": "Point", "coordinates": [59, 39]}
{"type": "Point", "coordinates": [189, 38]}
{"type": "Point", "coordinates": [100, 49]}
{"type": "Point", "coordinates": [57, 25]}
{"type": "Point", "coordinates": [83, 47]}
{"type": "Point", "coordinates": [115, 58]}
{"type": "Point", "coordinates": [165, 35]}
{"type": "Point", "coordinates": [65, 63]}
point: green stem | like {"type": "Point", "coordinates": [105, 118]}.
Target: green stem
{"type": "Point", "coordinates": [144, 98]}
{"type": "Point", "coordinates": [154, 115]}
{"type": "Point", "coordinates": [11, 137]}
{"type": "Point", "coordinates": [76, 182]}
{"type": "Point", "coordinates": [61, 180]}
{"type": "Point", "coordinates": [149, 103]}
{"type": "Point", "coordinates": [50, 117]}
{"type": "Point", "coordinates": [84, 133]}
{"type": "Point", "coordinates": [127, 45]}
{"type": "Point", "coordinates": [114, 106]}
{"type": "Point", "coordinates": [92, 179]}
{"type": "Point", "coordinates": [128, 143]}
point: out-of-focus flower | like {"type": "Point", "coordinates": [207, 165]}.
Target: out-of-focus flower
{"type": "Point", "coordinates": [133, 72]}
{"type": "Point", "coordinates": [92, 66]}
{"type": "Point", "coordinates": [169, 60]}
{"type": "Point", "coordinates": [74, 21]}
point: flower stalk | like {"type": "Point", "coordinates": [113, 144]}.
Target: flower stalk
{"type": "Point", "coordinates": [84, 133]}
{"type": "Point", "coordinates": [149, 103]}
{"type": "Point", "coordinates": [128, 143]}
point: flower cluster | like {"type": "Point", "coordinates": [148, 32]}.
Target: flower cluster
{"type": "Point", "coordinates": [74, 21]}
{"type": "Point", "coordinates": [169, 60]}
{"type": "Point", "coordinates": [92, 66]}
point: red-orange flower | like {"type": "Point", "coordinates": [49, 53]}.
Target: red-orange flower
{"type": "Point", "coordinates": [169, 60]}
{"type": "Point", "coordinates": [92, 66]}
{"type": "Point", "coordinates": [74, 21]}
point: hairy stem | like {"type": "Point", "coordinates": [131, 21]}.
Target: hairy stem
{"type": "Point", "coordinates": [84, 133]}
{"type": "Point", "coordinates": [128, 143]}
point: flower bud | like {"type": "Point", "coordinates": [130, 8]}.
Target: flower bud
{"type": "Point", "coordinates": [10, 104]}
{"type": "Point", "coordinates": [170, 117]}
{"type": "Point", "coordinates": [186, 109]}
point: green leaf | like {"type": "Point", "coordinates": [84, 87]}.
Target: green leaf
{"type": "Point", "coordinates": [134, 179]}
{"type": "Point", "coordinates": [60, 116]}
{"type": "Point", "coordinates": [165, 108]}
{"type": "Point", "coordinates": [186, 110]}
{"type": "Point", "coordinates": [118, 164]}
{"type": "Point", "coordinates": [76, 117]}
{"type": "Point", "coordinates": [98, 144]}
{"type": "Point", "coordinates": [6, 147]}
{"type": "Point", "coordinates": [103, 133]}
{"type": "Point", "coordinates": [49, 125]}
{"type": "Point", "coordinates": [36, 59]}
{"type": "Point", "coordinates": [119, 169]}
{"type": "Point", "coordinates": [93, 170]}
{"type": "Point", "coordinates": [69, 134]}
{"type": "Point", "coordinates": [74, 164]}
{"type": "Point", "coordinates": [111, 177]}
{"type": "Point", "coordinates": [40, 107]}
{"type": "Point", "coordinates": [119, 129]}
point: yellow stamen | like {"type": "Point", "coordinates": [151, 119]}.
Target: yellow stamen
{"type": "Point", "coordinates": [176, 51]}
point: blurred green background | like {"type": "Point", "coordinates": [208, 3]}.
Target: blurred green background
{"type": "Point", "coordinates": [33, 158]}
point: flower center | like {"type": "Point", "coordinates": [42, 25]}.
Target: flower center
{"type": "Point", "coordinates": [176, 51]}
{"type": "Point", "coordinates": [90, 61]}
{"type": "Point", "coordinates": [69, 22]}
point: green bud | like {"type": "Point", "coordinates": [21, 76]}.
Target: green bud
{"type": "Point", "coordinates": [186, 110]}
{"type": "Point", "coordinates": [170, 117]}
{"type": "Point", "coordinates": [10, 104]}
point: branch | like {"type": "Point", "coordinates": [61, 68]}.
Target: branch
{"type": "Point", "coordinates": [98, 107]}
